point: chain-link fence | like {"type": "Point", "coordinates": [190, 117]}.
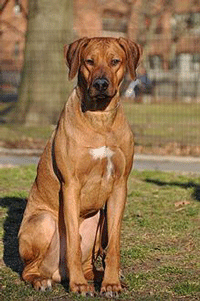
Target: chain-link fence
{"type": "Point", "coordinates": [162, 105]}
{"type": "Point", "coordinates": [44, 78]}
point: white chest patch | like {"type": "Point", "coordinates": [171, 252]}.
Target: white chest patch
{"type": "Point", "coordinates": [103, 152]}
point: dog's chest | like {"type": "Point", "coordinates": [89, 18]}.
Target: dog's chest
{"type": "Point", "coordinates": [97, 172]}
{"type": "Point", "coordinates": [104, 152]}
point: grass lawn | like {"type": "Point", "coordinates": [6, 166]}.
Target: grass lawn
{"type": "Point", "coordinates": [152, 124]}
{"type": "Point", "coordinates": [165, 122]}
{"type": "Point", "coordinates": [160, 238]}
{"type": "Point", "coordinates": [21, 136]}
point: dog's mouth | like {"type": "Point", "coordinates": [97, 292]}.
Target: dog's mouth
{"type": "Point", "coordinates": [96, 101]}
{"type": "Point", "coordinates": [104, 96]}
{"type": "Point", "coordinates": [101, 96]}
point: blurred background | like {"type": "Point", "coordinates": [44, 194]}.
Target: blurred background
{"type": "Point", "coordinates": [162, 105]}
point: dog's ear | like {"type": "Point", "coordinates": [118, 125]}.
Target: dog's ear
{"type": "Point", "coordinates": [133, 53]}
{"type": "Point", "coordinates": [72, 53]}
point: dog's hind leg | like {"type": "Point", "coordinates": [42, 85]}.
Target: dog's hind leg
{"type": "Point", "coordinates": [39, 249]}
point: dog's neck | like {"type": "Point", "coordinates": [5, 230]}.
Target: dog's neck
{"type": "Point", "coordinates": [101, 119]}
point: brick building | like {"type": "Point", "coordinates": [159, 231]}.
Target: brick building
{"type": "Point", "coordinates": [13, 24]}
{"type": "Point", "coordinates": [169, 31]}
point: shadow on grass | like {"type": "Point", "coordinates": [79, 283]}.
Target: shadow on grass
{"type": "Point", "coordinates": [11, 225]}
{"type": "Point", "coordinates": [195, 194]}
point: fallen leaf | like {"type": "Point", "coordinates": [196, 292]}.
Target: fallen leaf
{"type": "Point", "coordinates": [181, 203]}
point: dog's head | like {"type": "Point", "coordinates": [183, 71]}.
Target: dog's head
{"type": "Point", "coordinates": [101, 65]}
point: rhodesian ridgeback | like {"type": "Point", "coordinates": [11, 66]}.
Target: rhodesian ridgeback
{"type": "Point", "coordinates": [75, 207]}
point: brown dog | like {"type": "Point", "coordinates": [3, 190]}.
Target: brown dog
{"type": "Point", "coordinates": [75, 207]}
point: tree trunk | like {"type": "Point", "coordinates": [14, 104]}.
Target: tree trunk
{"type": "Point", "coordinates": [44, 86]}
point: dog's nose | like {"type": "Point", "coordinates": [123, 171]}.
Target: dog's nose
{"type": "Point", "coordinates": [100, 84]}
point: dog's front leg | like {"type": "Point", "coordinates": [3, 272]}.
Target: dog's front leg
{"type": "Point", "coordinates": [71, 206]}
{"type": "Point", "coordinates": [115, 207]}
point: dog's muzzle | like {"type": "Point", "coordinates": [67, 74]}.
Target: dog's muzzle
{"type": "Point", "coordinates": [101, 84]}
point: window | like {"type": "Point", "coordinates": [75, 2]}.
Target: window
{"type": "Point", "coordinates": [159, 27]}
{"type": "Point", "coordinates": [187, 62]}
{"type": "Point", "coordinates": [114, 22]}
{"type": "Point", "coordinates": [16, 50]}
{"type": "Point", "coordinates": [155, 62]}
{"type": "Point", "coordinates": [196, 62]}
{"type": "Point", "coordinates": [196, 23]}
{"type": "Point", "coordinates": [187, 21]}
{"type": "Point", "coordinates": [184, 61]}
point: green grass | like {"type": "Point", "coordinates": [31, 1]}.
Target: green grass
{"type": "Point", "coordinates": [153, 124]}
{"type": "Point", "coordinates": [22, 136]}
{"type": "Point", "coordinates": [164, 122]}
{"type": "Point", "coordinates": [160, 238]}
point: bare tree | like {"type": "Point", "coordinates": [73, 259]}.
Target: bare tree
{"type": "Point", "coordinates": [44, 86]}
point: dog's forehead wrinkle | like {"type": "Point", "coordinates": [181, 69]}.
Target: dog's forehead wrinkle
{"type": "Point", "coordinates": [106, 58]}
{"type": "Point", "coordinates": [109, 48]}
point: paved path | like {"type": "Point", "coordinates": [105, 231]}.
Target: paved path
{"type": "Point", "coordinates": [167, 163]}
{"type": "Point", "coordinates": [141, 162]}
{"type": "Point", "coordinates": [12, 160]}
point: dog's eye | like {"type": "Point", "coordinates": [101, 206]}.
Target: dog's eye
{"type": "Point", "coordinates": [89, 62]}
{"type": "Point", "coordinates": [115, 62]}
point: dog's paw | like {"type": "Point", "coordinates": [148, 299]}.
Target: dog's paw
{"type": "Point", "coordinates": [42, 284]}
{"type": "Point", "coordinates": [110, 290]}
{"type": "Point", "coordinates": [85, 290]}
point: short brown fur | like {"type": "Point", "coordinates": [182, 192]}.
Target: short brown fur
{"type": "Point", "coordinates": [75, 207]}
